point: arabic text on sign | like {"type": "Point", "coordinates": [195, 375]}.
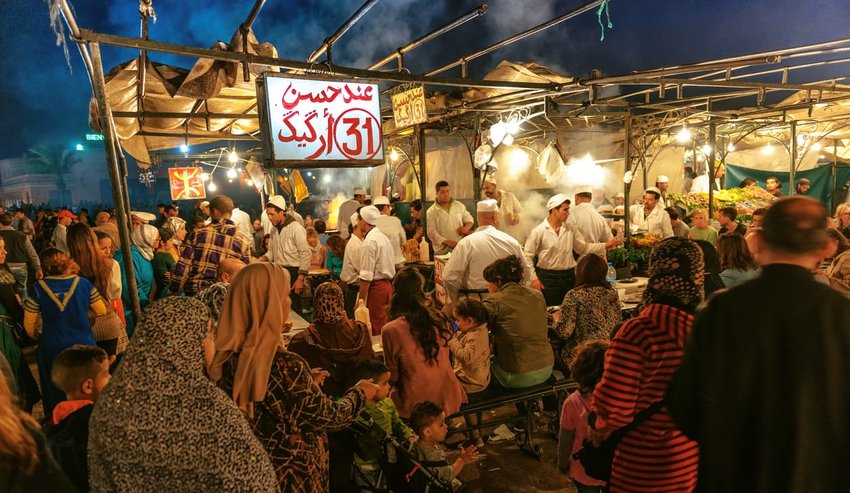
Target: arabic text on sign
{"type": "Point", "coordinates": [409, 107]}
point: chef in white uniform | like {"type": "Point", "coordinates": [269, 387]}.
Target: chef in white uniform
{"type": "Point", "coordinates": [650, 217]}
{"type": "Point", "coordinates": [391, 227]}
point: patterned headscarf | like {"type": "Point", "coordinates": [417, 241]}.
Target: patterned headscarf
{"type": "Point", "coordinates": [675, 275]}
{"type": "Point", "coordinates": [251, 322]}
{"type": "Point", "coordinates": [328, 304]}
{"type": "Point", "coordinates": [213, 297]}
{"type": "Point", "coordinates": [143, 238]}
{"type": "Point", "coordinates": [161, 410]}
{"type": "Point", "coordinates": [173, 225]}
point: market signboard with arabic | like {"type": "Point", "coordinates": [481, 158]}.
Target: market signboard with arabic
{"type": "Point", "coordinates": [186, 183]}
{"type": "Point", "coordinates": [409, 107]}
{"type": "Point", "coordinates": [314, 122]}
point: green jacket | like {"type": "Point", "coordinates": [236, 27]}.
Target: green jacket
{"type": "Point", "coordinates": [517, 320]}
{"type": "Point", "coordinates": [386, 422]}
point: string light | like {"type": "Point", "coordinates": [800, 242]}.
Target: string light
{"type": "Point", "coordinates": [706, 149]}
{"type": "Point", "coordinates": [816, 146]}
{"type": "Point", "coordinates": [231, 173]}
{"type": "Point", "coordinates": [212, 187]}
{"type": "Point", "coordinates": [767, 150]}
{"type": "Point", "coordinates": [684, 135]}
{"type": "Point", "coordinates": [393, 155]}
{"type": "Point", "coordinates": [205, 176]}
{"type": "Point", "coordinates": [233, 157]}
{"type": "Point", "coordinates": [184, 148]}
{"type": "Point", "coordinates": [730, 147]}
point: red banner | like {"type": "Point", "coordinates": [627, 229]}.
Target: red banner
{"type": "Point", "coordinates": [186, 183]}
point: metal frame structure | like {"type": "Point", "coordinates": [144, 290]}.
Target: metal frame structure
{"type": "Point", "coordinates": [723, 99]}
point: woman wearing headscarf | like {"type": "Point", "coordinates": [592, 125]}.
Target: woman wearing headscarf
{"type": "Point", "coordinates": [639, 364]}
{"type": "Point", "coordinates": [161, 425]}
{"type": "Point", "coordinates": [333, 342]}
{"type": "Point", "coordinates": [145, 239]}
{"type": "Point", "coordinates": [177, 227]}
{"type": "Point", "coordinates": [273, 387]}
{"type": "Point", "coordinates": [591, 310]}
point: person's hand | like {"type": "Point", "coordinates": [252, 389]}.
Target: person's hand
{"type": "Point", "coordinates": [691, 236]}
{"type": "Point", "coordinates": [613, 242]}
{"type": "Point", "coordinates": [512, 219]}
{"type": "Point", "coordinates": [464, 230]}
{"type": "Point", "coordinates": [287, 326]}
{"type": "Point", "coordinates": [412, 438]}
{"type": "Point", "coordinates": [536, 284]}
{"type": "Point", "coordinates": [596, 436]}
{"type": "Point", "coordinates": [319, 375]}
{"type": "Point", "coordinates": [468, 454]}
{"type": "Point", "coordinates": [567, 480]}
{"type": "Point", "coordinates": [556, 315]}
{"type": "Point", "coordinates": [39, 275]}
{"type": "Point", "coordinates": [299, 285]}
{"type": "Point", "coordinates": [369, 388]}
{"type": "Point", "coordinates": [450, 243]}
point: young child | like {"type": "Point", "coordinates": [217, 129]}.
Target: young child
{"type": "Point", "coordinates": [586, 368]}
{"type": "Point", "coordinates": [81, 372]}
{"type": "Point", "coordinates": [470, 346]}
{"type": "Point", "coordinates": [429, 422]}
{"type": "Point", "coordinates": [384, 420]}
{"type": "Point", "coordinates": [701, 229]}
{"type": "Point", "coordinates": [317, 251]}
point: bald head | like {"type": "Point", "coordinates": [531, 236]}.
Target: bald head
{"type": "Point", "coordinates": [221, 207]}
{"type": "Point", "coordinates": [488, 218]}
{"type": "Point", "coordinates": [227, 269]}
{"type": "Point", "coordinates": [795, 225]}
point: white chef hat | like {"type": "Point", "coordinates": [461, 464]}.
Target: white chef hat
{"type": "Point", "coordinates": [489, 205]}
{"type": "Point", "coordinates": [490, 178]}
{"type": "Point", "coordinates": [354, 218]}
{"type": "Point", "coordinates": [143, 216]}
{"type": "Point", "coordinates": [277, 201]}
{"type": "Point", "coordinates": [556, 201]}
{"type": "Point", "coordinates": [370, 214]}
{"type": "Point", "coordinates": [662, 179]}
{"type": "Point", "coordinates": [584, 189]}
{"type": "Point", "coordinates": [381, 200]}
{"type": "Point", "coordinates": [359, 191]}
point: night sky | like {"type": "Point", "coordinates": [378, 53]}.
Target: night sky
{"type": "Point", "coordinates": [43, 100]}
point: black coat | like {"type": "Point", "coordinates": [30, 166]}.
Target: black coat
{"type": "Point", "coordinates": [763, 386]}
{"type": "Point", "coordinates": [68, 442]}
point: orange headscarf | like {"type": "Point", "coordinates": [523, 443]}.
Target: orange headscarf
{"type": "Point", "coordinates": [251, 321]}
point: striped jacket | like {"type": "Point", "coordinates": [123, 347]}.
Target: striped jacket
{"type": "Point", "coordinates": [639, 364]}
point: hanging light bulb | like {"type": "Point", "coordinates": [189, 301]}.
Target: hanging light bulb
{"type": "Point", "coordinates": [706, 149]}
{"type": "Point", "coordinates": [231, 173]}
{"type": "Point", "coordinates": [497, 132]}
{"type": "Point", "coordinates": [212, 187]}
{"type": "Point", "coordinates": [816, 146]}
{"type": "Point", "coordinates": [205, 176]}
{"type": "Point", "coordinates": [393, 155]}
{"type": "Point", "coordinates": [767, 150]}
{"type": "Point", "coordinates": [684, 135]}
{"type": "Point", "coordinates": [730, 147]}
{"type": "Point", "coordinates": [233, 157]}
{"type": "Point", "coordinates": [508, 139]}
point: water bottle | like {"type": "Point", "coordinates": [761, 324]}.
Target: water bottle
{"type": "Point", "coordinates": [424, 250]}
{"type": "Point", "coordinates": [612, 273]}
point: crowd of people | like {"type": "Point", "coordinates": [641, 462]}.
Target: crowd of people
{"type": "Point", "coordinates": [207, 391]}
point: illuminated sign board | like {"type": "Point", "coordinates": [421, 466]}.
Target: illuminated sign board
{"type": "Point", "coordinates": [409, 107]}
{"type": "Point", "coordinates": [315, 122]}
{"type": "Point", "coordinates": [94, 137]}
{"type": "Point", "coordinates": [186, 183]}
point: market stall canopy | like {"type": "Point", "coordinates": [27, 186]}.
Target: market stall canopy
{"type": "Point", "coordinates": [222, 103]}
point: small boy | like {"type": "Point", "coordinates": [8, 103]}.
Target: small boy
{"type": "Point", "coordinates": [81, 372]}
{"type": "Point", "coordinates": [384, 419]}
{"type": "Point", "coordinates": [429, 422]}
{"type": "Point", "coordinates": [470, 348]}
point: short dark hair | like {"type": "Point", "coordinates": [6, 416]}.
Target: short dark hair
{"type": "Point", "coordinates": [370, 369]}
{"type": "Point", "coordinates": [5, 219]}
{"type": "Point", "coordinates": [169, 208]}
{"type": "Point", "coordinates": [673, 213]}
{"type": "Point", "coordinates": [795, 225]}
{"type": "Point", "coordinates": [222, 203]}
{"type": "Point", "coordinates": [440, 184]}
{"type": "Point", "coordinates": [760, 211]}
{"type": "Point", "coordinates": [320, 226]}
{"type": "Point", "coordinates": [730, 212]}
{"type": "Point", "coordinates": [588, 363]}
{"type": "Point", "coordinates": [654, 194]}
{"type": "Point", "coordinates": [747, 182]}
{"type": "Point", "coordinates": [416, 205]}
{"type": "Point", "coordinates": [774, 179]}
{"type": "Point", "coordinates": [423, 415]}
{"type": "Point", "coordinates": [160, 204]}
{"type": "Point", "coordinates": [472, 308]}
{"type": "Point", "coordinates": [54, 262]}
{"type": "Point", "coordinates": [103, 236]}
{"type": "Point", "coordinates": [504, 270]}
{"type": "Point", "coordinates": [75, 365]}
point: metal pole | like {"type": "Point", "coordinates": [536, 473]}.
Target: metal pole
{"type": "Point", "coordinates": [105, 121]}
{"type": "Point", "coordinates": [834, 176]}
{"type": "Point", "coordinates": [329, 42]}
{"type": "Point", "coordinates": [712, 138]}
{"type": "Point", "coordinates": [627, 185]}
{"type": "Point", "coordinates": [420, 131]}
{"type": "Point", "coordinates": [399, 53]}
{"type": "Point", "coordinates": [792, 175]}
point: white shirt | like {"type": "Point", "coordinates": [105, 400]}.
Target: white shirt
{"type": "Point", "coordinates": [554, 251]}
{"type": "Point", "coordinates": [60, 235]}
{"type": "Point", "coordinates": [351, 260]}
{"type": "Point", "coordinates": [509, 205]}
{"type": "Point", "coordinates": [392, 228]}
{"type": "Point", "coordinates": [242, 221]}
{"type": "Point", "coordinates": [288, 247]}
{"type": "Point", "coordinates": [590, 223]}
{"type": "Point", "coordinates": [465, 268]}
{"type": "Point", "coordinates": [700, 184]}
{"type": "Point", "coordinates": [343, 218]}
{"type": "Point", "coordinates": [656, 223]}
{"type": "Point", "coordinates": [443, 224]}
{"type": "Point", "coordinates": [377, 260]}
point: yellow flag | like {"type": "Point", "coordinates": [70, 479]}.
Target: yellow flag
{"type": "Point", "coordinates": [300, 188]}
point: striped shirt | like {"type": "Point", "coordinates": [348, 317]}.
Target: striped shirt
{"type": "Point", "coordinates": [639, 364]}
{"type": "Point", "coordinates": [204, 250]}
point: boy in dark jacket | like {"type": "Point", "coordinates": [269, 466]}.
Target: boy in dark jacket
{"type": "Point", "coordinates": [81, 372]}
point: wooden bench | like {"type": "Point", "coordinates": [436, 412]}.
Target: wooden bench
{"type": "Point", "coordinates": [496, 396]}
